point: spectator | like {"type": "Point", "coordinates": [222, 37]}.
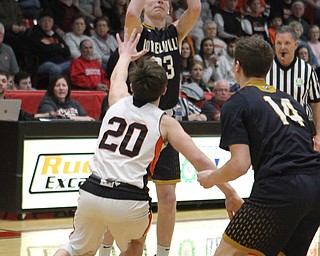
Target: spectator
{"type": "Point", "coordinates": [303, 53]}
{"type": "Point", "coordinates": [275, 23]}
{"type": "Point", "coordinates": [16, 27]}
{"type": "Point", "coordinates": [230, 23]}
{"type": "Point", "coordinates": [297, 27]}
{"type": "Point", "coordinates": [194, 89]}
{"type": "Point", "coordinates": [8, 60]}
{"type": "Point", "coordinates": [312, 12]}
{"type": "Point", "coordinates": [258, 21]}
{"type": "Point", "coordinates": [22, 81]}
{"type": "Point", "coordinates": [210, 61]}
{"type": "Point", "coordinates": [10, 82]}
{"type": "Point", "coordinates": [91, 9]}
{"type": "Point", "coordinates": [77, 35]}
{"type": "Point", "coordinates": [297, 12]}
{"type": "Point", "coordinates": [295, 77]}
{"type": "Point", "coordinates": [116, 15]}
{"type": "Point", "coordinates": [186, 60]}
{"type": "Point", "coordinates": [86, 73]}
{"type": "Point", "coordinates": [281, 8]}
{"type": "Point", "coordinates": [105, 43]}
{"type": "Point", "coordinates": [314, 34]}
{"type": "Point", "coordinates": [49, 48]}
{"type": "Point", "coordinates": [63, 11]}
{"type": "Point", "coordinates": [210, 30]}
{"type": "Point", "coordinates": [212, 108]}
{"type": "Point", "coordinates": [57, 100]}
{"type": "Point", "coordinates": [225, 63]}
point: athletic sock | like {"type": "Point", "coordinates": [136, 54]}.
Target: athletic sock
{"type": "Point", "coordinates": [162, 251]}
{"type": "Point", "coordinates": [105, 250]}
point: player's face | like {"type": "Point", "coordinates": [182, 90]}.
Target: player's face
{"type": "Point", "coordinates": [285, 47]}
{"type": "Point", "coordinates": [3, 85]}
{"type": "Point", "coordinates": [157, 9]}
{"type": "Point", "coordinates": [60, 89]}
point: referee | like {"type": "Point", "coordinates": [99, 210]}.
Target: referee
{"type": "Point", "coordinates": [292, 75]}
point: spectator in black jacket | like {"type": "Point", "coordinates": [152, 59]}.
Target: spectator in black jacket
{"type": "Point", "coordinates": [50, 49]}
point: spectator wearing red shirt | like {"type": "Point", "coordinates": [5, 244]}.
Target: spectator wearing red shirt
{"type": "Point", "coordinates": [86, 73]}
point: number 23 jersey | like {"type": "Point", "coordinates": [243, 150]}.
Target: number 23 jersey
{"type": "Point", "coordinates": [274, 125]}
{"type": "Point", "coordinates": [128, 141]}
{"type": "Point", "coordinates": [163, 45]}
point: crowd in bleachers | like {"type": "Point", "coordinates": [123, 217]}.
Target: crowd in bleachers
{"type": "Point", "coordinates": [46, 39]}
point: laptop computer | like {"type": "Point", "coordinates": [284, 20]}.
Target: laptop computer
{"type": "Point", "coordinates": [10, 109]}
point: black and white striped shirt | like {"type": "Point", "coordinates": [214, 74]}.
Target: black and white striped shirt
{"type": "Point", "coordinates": [298, 79]}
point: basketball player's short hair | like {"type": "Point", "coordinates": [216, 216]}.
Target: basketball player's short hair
{"type": "Point", "coordinates": [255, 56]}
{"type": "Point", "coordinates": [148, 79]}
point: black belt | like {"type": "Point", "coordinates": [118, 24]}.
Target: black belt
{"type": "Point", "coordinates": [109, 188]}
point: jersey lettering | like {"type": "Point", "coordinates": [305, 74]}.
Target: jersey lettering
{"type": "Point", "coordinates": [134, 137]}
{"type": "Point", "coordinates": [288, 111]}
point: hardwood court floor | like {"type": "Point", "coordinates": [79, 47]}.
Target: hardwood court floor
{"type": "Point", "coordinates": [197, 233]}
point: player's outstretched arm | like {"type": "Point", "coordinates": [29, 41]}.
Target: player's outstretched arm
{"type": "Point", "coordinates": [133, 15]}
{"type": "Point", "coordinates": [127, 53]}
{"type": "Point", "coordinates": [188, 19]}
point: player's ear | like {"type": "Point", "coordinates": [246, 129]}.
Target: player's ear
{"type": "Point", "coordinates": [164, 90]}
{"type": "Point", "coordinates": [237, 66]}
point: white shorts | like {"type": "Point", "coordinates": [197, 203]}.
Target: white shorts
{"type": "Point", "coordinates": [126, 220]}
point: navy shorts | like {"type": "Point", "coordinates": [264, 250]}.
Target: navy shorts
{"type": "Point", "coordinates": [281, 215]}
{"type": "Point", "coordinates": [167, 169]}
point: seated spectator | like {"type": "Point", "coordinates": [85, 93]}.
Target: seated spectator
{"type": "Point", "coordinates": [212, 108]}
{"type": "Point", "coordinates": [23, 116]}
{"type": "Point", "coordinates": [51, 50]}
{"type": "Point", "coordinates": [210, 61]}
{"type": "Point", "coordinates": [105, 43]}
{"type": "Point", "coordinates": [258, 21]}
{"type": "Point", "coordinates": [16, 27]}
{"type": "Point", "coordinates": [210, 31]}
{"type": "Point", "coordinates": [22, 81]}
{"type": "Point", "coordinates": [194, 89]}
{"type": "Point", "coordinates": [58, 104]}
{"type": "Point", "coordinates": [63, 11]}
{"type": "Point", "coordinates": [190, 112]}
{"type": "Point", "coordinates": [77, 35]}
{"type": "Point", "coordinates": [297, 26]}
{"type": "Point", "coordinates": [10, 82]}
{"type": "Point", "coordinates": [313, 42]}
{"type": "Point", "coordinates": [230, 22]}
{"type": "Point", "coordinates": [8, 60]}
{"type": "Point", "coordinates": [186, 60]}
{"type": "Point", "coordinates": [86, 73]}
{"type": "Point", "coordinates": [90, 9]}
{"type": "Point", "coordinates": [281, 8]}
{"type": "Point", "coordinates": [275, 23]}
{"type": "Point", "coordinates": [303, 53]}
{"type": "Point", "coordinates": [297, 12]}
{"type": "Point", "coordinates": [225, 63]}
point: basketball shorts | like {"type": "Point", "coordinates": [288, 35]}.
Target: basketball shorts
{"type": "Point", "coordinates": [167, 169]}
{"type": "Point", "coordinates": [281, 216]}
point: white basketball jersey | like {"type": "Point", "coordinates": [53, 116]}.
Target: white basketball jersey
{"type": "Point", "coordinates": [128, 142]}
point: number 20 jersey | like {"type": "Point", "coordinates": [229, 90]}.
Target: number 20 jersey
{"type": "Point", "coordinates": [163, 45]}
{"type": "Point", "coordinates": [128, 141]}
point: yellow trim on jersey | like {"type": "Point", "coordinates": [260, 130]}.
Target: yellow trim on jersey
{"type": "Point", "coordinates": [261, 85]}
{"type": "Point", "coordinates": [241, 247]}
{"type": "Point", "coordinates": [149, 26]}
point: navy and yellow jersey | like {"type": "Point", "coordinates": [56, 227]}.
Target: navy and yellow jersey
{"type": "Point", "coordinates": [163, 44]}
{"type": "Point", "coordinates": [275, 127]}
